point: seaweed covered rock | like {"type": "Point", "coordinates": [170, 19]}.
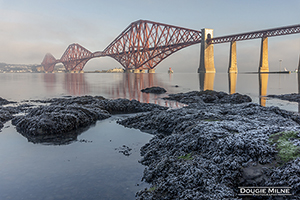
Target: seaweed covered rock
{"type": "Point", "coordinates": [235, 98]}
{"type": "Point", "coordinates": [289, 97]}
{"type": "Point", "coordinates": [114, 106]}
{"type": "Point", "coordinates": [210, 148]}
{"type": "Point", "coordinates": [288, 174]}
{"type": "Point", "coordinates": [154, 90]}
{"type": "Point", "coordinates": [117, 106]}
{"type": "Point", "coordinates": [5, 102]}
{"type": "Point", "coordinates": [209, 96]}
{"type": "Point", "coordinates": [62, 120]}
{"type": "Point", "coordinates": [45, 121]}
{"type": "Point", "coordinates": [6, 113]}
{"type": "Point", "coordinates": [239, 117]}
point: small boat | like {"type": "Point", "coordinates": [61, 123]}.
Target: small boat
{"type": "Point", "coordinates": [170, 71]}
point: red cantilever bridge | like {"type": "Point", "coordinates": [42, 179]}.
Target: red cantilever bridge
{"type": "Point", "coordinates": [144, 44]}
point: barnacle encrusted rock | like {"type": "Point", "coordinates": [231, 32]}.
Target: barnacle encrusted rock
{"type": "Point", "coordinates": [227, 144]}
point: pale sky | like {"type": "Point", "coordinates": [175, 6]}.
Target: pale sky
{"type": "Point", "coordinates": [31, 28]}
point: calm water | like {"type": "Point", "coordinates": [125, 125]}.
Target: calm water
{"type": "Point", "coordinates": [94, 169]}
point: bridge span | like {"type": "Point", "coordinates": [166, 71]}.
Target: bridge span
{"type": "Point", "coordinates": [144, 44]}
{"type": "Point", "coordinates": [207, 50]}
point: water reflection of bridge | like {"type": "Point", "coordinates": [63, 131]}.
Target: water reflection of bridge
{"type": "Point", "coordinates": [207, 83]}
{"type": "Point", "coordinates": [131, 85]}
{"type": "Point", "coordinates": [74, 84]}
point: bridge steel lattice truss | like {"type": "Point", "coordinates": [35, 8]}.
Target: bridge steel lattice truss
{"type": "Point", "coordinates": [144, 44]}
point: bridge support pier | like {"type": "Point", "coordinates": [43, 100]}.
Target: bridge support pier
{"type": "Point", "coordinates": [151, 71]}
{"type": "Point", "coordinates": [232, 58]}
{"type": "Point", "coordinates": [264, 61]}
{"type": "Point", "coordinates": [136, 71]}
{"type": "Point", "coordinates": [207, 64]}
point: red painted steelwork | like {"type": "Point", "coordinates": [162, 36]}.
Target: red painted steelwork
{"type": "Point", "coordinates": [49, 62]}
{"type": "Point", "coordinates": [257, 34]}
{"type": "Point", "coordinates": [144, 44]}
{"type": "Point", "coordinates": [75, 57]}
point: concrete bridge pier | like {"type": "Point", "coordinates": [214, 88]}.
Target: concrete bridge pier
{"type": "Point", "coordinates": [232, 58]}
{"type": "Point", "coordinates": [151, 71]}
{"type": "Point", "coordinates": [264, 61]}
{"type": "Point", "coordinates": [207, 64]}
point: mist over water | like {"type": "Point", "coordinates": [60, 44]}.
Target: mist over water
{"type": "Point", "coordinates": [92, 167]}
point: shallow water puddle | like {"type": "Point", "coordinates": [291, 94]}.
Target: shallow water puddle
{"type": "Point", "coordinates": [90, 168]}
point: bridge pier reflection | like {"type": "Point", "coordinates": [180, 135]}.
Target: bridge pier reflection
{"type": "Point", "coordinates": [76, 84]}
{"type": "Point", "coordinates": [232, 79]}
{"type": "Point", "coordinates": [49, 80]}
{"type": "Point", "coordinates": [263, 85]}
{"type": "Point", "coordinates": [206, 81]}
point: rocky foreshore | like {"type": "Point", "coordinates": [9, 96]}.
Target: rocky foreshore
{"type": "Point", "coordinates": [206, 150]}
{"type": "Point", "coordinates": [289, 97]}
{"type": "Point", "coordinates": [60, 120]}
{"type": "Point", "coordinates": [217, 144]}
